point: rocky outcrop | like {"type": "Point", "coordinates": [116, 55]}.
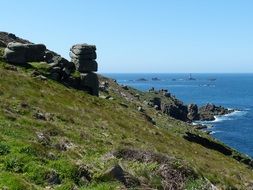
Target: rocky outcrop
{"type": "Point", "coordinates": [212, 144]}
{"type": "Point", "coordinates": [6, 38]}
{"type": "Point", "coordinates": [83, 59]}
{"type": "Point", "coordinates": [208, 143]}
{"type": "Point", "coordinates": [61, 68]}
{"type": "Point", "coordinates": [23, 53]}
{"type": "Point", "coordinates": [209, 111]}
{"type": "Point", "coordinates": [83, 56]}
{"type": "Point", "coordinates": [193, 112]}
{"type": "Point", "coordinates": [176, 110]}
{"type": "Point", "coordinates": [119, 174]}
{"type": "Point", "coordinates": [163, 101]}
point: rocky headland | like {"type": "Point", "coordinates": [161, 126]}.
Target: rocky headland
{"type": "Point", "coordinates": [65, 127]}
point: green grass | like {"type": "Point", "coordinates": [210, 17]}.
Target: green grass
{"type": "Point", "coordinates": [92, 127]}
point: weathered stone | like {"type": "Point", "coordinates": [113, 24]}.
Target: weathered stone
{"type": "Point", "coordinates": [14, 56]}
{"type": "Point", "coordinates": [64, 145]}
{"type": "Point", "coordinates": [40, 116]}
{"type": "Point", "coordinates": [22, 53]}
{"type": "Point", "coordinates": [62, 62]}
{"type": "Point", "coordinates": [210, 144]}
{"type": "Point", "coordinates": [15, 46]}
{"type": "Point", "coordinates": [13, 36]}
{"type": "Point", "coordinates": [192, 112]}
{"type": "Point", "coordinates": [84, 56]}
{"type": "Point", "coordinates": [2, 44]}
{"type": "Point", "coordinates": [48, 57]}
{"type": "Point", "coordinates": [89, 81]}
{"type": "Point", "coordinates": [117, 173]}
{"type": "Point", "coordinates": [85, 66]}
{"type": "Point", "coordinates": [53, 178]}
{"type": "Point", "coordinates": [43, 139]}
{"type": "Point", "coordinates": [156, 102]}
{"type": "Point", "coordinates": [84, 47]}
{"type": "Point", "coordinates": [177, 111]}
{"type": "Point", "coordinates": [35, 52]}
{"type": "Point", "coordinates": [209, 111]}
{"type": "Point", "coordinates": [82, 175]}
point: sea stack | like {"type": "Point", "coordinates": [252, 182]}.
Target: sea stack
{"type": "Point", "coordinates": [84, 57]}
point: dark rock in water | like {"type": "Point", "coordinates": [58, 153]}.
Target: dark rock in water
{"type": "Point", "coordinates": [208, 112]}
{"type": "Point", "coordinates": [155, 79]}
{"type": "Point", "coordinates": [89, 82]}
{"type": "Point", "coordinates": [117, 173]}
{"type": "Point", "coordinates": [193, 112]}
{"type": "Point", "coordinates": [142, 80]}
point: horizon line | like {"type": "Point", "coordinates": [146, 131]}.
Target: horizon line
{"type": "Point", "coordinates": [175, 72]}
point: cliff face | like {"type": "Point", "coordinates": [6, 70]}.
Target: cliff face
{"type": "Point", "coordinates": [54, 136]}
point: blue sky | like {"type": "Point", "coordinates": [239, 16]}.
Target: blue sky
{"type": "Point", "coordinates": [142, 35]}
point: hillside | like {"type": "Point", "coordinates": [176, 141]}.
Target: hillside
{"type": "Point", "coordinates": [53, 136]}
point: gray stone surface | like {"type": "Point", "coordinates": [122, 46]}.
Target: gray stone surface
{"type": "Point", "coordinates": [84, 46]}
{"type": "Point", "coordinates": [22, 53]}
{"type": "Point", "coordinates": [84, 56]}
{"type": "Point", "coordinates": [85, 66]}
{"type": "Point", "coordinates": [90, 82]}
{"type": "Point", "coordinates": [14, 56]}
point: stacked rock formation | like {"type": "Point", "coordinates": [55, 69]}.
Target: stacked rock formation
{"type": "Point", "coordinates": [84, 57]}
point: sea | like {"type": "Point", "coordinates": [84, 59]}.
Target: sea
{"type": "Point", "coordinates": [233, 91]}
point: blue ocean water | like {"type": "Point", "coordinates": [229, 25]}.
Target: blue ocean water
{"type": "Point", "coordinates": [233, 91]}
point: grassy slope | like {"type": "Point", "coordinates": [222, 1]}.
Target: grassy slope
{"type": "Point", "coordinates": [95, 127]}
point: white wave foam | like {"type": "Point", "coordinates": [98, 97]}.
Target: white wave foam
{"type": "Point", "coordinates": [231, 116]}
{"type": "Point", "coordinates": [213, 132]}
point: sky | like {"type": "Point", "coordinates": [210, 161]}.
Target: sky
{"type": "Point", "coordinates": [142, 36]}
